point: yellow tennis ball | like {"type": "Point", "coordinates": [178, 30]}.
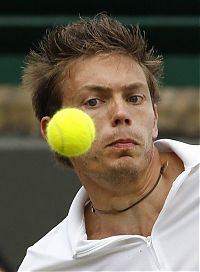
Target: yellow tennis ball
{"type": "Point", "coordinates": [70, 132]}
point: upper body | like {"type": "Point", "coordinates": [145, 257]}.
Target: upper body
{"type": "Point", "coordinates": [126, 177]}
{"type": "Point", "coordinates": [172, 244]}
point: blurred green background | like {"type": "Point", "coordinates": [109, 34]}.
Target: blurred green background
{"type": "Point", "coordinates": [35, 195]}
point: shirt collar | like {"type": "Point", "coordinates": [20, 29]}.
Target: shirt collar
{"type": "Point", "coordinates": [189, 154]}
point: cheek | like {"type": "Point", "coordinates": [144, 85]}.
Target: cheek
{"type": "Point", "coordinates": [147, 124]}
{"type": "Point", "coordinates": [142, 118]}
{"type": "Point", "coordinates": [93, 155]}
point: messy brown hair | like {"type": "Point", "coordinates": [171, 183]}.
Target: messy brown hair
{"type": "Point", "coordinates": [46, 67]}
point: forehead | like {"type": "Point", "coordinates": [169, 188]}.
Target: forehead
{"type": "Point", "coordinates": [111, 71]}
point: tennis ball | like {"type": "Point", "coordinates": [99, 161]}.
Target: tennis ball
{"type": "Point", "coordinates": [70, 132]}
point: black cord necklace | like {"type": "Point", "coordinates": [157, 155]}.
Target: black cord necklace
{"type": "Point", "coordinates": [162, 170]}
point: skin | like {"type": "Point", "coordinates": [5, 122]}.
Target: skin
{"type": "Point", "coordinates": [113, 90]}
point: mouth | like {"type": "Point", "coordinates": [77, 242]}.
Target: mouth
{"type": "Point", "coordinates": [123, 143]}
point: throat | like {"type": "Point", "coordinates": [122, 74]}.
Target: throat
{"type": "Point", "coordinates": [114, 212]}
{"type": "Point", "coordinates": [140, 218]}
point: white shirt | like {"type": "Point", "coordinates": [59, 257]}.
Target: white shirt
{"type": "Point", "coordinates": [172, 246]}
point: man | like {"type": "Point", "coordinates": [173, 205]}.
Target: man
{"type": "Point", "coordinates": [138, 207]}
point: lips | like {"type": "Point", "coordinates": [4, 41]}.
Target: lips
{"type": "Point", "coordinates": [123, 143]}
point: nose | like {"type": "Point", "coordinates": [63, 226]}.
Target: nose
{"type": "Point", "coordinates": [120, 115]}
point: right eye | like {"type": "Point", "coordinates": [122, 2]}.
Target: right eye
{"type": "Point", "coordinates": [92, 102]}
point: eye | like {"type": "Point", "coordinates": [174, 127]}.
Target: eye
{"type": "Point", "coordinates": [92, 102]}
{"type": "Point", "coordinates": [135, 99]}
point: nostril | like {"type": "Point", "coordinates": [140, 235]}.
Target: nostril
{"type": "Point", "coordinates": [122, 121]}
{"type": "Point", "coordinates": [117, 121]}
{"type": "Point", "coordinates": [127, 121]}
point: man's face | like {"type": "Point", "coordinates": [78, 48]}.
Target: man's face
{"type": "Point", "coordinates": [113, 90]}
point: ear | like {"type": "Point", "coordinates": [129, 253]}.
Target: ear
{"type": "Point", "coordinates": [155, 127]}
{"type": "Point", "coordinates": [43, 126]}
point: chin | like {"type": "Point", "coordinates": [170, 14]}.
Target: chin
{"type": "Point", "coordinates": [116, 170]}
{"type": "Point", "coordinates": [125, 166]}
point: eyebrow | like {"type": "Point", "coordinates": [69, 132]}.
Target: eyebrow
{"type": "Point", "coordinates": [128, 87]}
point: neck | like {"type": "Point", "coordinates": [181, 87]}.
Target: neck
{"type": "Point", "coordinates": [113, 212]}
{"type": "Point", "coordinates": [123, 195]}
{"type": "Point", "coordinates": [140, 218]}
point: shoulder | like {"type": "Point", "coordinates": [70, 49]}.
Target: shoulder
{"type": "Point", "coordinates": [188, 153]}
{"type": "Point", "coordinates": [50, 248]}
{"type": "Point", "coordinates": [46, 240]}
{"type": "Point", "coordinates": [57, 246]}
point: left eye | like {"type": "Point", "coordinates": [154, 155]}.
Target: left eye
{"type": "Point", "coordinates": [136, 99]}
